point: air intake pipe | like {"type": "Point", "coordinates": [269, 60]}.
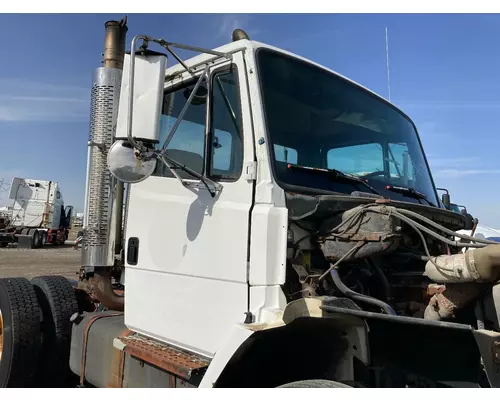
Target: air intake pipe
{"type": "Point", "coordinates": [480, 265]}
{"type": "Point", "coordinates": [466, 275]}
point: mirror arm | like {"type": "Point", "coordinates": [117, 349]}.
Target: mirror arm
{"type": "Point", "coordinates": [172, 164]}
{"type": "Point", "coordinates": [184, 109]}
{"type": "Point", "coordinates": [180, 61]}
{"type": "Point", "coordinates": [163, 158]}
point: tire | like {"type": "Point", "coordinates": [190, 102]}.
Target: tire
{"type": "Point", "coordinates": [58, 303]}
{"type": "Point", "coordinates": [20, 333]}
{"type": "Point", "coordinates": [3, 245]}
{"type": "Point", "coordinates": [314, 383]}
{"type": "Point", "coordinates": [43, 240]}
{"type": "Point", "coordinates": [35, 235]}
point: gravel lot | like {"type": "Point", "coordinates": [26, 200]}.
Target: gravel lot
{"type": "Point", "coordinates": [61, 260]}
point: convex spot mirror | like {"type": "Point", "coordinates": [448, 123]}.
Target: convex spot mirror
{"type": "Point", "coordinates": [126, 164]}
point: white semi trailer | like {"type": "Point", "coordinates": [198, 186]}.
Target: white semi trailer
{"type": "Point", "coordinates": [250, 250]}
{"type": "Point", "coordinates": [38, 216]}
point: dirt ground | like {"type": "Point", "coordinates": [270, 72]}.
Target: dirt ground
{"type": "Point", "coordinates": [61, 260]}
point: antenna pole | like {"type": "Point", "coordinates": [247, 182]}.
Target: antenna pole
{"type": "Point", "coordinates": [387, 61]}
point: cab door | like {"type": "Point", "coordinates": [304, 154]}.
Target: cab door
{"type": "Point", "coordinates": [188, 284]}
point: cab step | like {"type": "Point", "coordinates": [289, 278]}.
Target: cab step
{"type": "Point", "coordinates": [171, 359]}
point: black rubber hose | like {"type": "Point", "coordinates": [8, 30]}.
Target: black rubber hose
{"type": "Point", "coordinates": [383, 279]}
{"type": "Point", "coordinates": [357, 296]}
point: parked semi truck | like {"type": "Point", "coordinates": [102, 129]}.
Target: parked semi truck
{"type": "Point", "coordinates": [37, 217]}
{"type": "Point", "coordinates": [230, 239]}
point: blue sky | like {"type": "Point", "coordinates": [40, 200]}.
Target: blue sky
{"type": "Point", "coordinates": [445, 74]}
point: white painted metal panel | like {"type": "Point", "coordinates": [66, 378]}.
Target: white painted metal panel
{"type": "Point", "coordinates": [190, 312]}
{"type": "Point", "coordinates": [190, 286]}
{"type": "Point", "coordinates": [268, 245]}
{"type": "Point", "coordinates": [267, 303]}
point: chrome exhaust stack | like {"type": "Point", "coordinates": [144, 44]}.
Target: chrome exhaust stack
{"type": "Point", "coordinates": [104, 194]}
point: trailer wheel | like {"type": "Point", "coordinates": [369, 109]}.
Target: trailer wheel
{"type": "Point", "coordinates": [58, 303]}
{"type": "Point", "coordinates": [19, 333]}
{"type": "Point", "coordinates": [314, 383]}
{"type": "Point", "coordinates": [35, 237]}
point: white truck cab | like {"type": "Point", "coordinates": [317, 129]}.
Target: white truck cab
{"type": "Point", "coordinates": [281, 227]}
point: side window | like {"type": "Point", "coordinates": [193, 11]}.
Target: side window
{"type": "Point", "coordinates": [226, 133]}
{"type": "Point", "coordinates": [58, 194]}
{"type": "Point", "coordinates": [187, 145]}
{"type": "Point", "coordinates": [357, 160]}
{"type": "Point", "coordinates": [285, 154]}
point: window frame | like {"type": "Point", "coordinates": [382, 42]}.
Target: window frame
{"type": "Point", "coordinates": [270, 141]}
{"type": "Point", "coordinates": [209, 134]}
{"type": "Point", "coordinates": [232, 67]}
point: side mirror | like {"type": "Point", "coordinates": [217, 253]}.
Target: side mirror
{"type": "Point", "coordinates": [141, 97]}
{"type": "Point", "coordinates": [446, 200]}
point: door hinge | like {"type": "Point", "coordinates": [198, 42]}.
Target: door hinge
{"type": "Point", "coordinates": [251, 171]}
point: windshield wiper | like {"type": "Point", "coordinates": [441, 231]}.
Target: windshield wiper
{"type": "Point", "coordinates": [410, 192]}
{"type": "Point", "coordinates": [337, 175]}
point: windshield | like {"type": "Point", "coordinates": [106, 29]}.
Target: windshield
{"type": "Point", "coordinates": [320, 120]}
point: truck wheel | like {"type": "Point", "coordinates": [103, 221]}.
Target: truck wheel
{"type": "Point", "coordinates": [19, 333]}
{"type": "Point", "coordinates": [35, 236]}
{"type": "Point", "coordinates": [43, 239]}
{"type": "Point", "coordinates": [314, 383]}
{"type": "Point", "coordinates": [58, 303]}
{"type": "Point", "coordinates": [3, 244]}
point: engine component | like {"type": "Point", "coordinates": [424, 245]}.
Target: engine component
{"type": "Point", "coordinates": [445, 304]}
{"type": "Point", "coordinates": [99, 286]}
{"type": "Point", "coordinates": [356, 296]}
{"type": "Point", "coordinates": [377, 231]}
{"type": "Point", "coordinates": [475, 265]}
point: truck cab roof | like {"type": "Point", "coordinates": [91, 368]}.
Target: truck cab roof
{"type": "Point", "coordinates": [251, 45]}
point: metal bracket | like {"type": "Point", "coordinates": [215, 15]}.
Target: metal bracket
{"type": "Point", "coordinates": [101, 146]}
{"type": "Point", "coordinates": [251, 171]}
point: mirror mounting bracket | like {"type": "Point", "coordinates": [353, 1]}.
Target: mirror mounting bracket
{"type": "Point", "coordinates": [144, 152]}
